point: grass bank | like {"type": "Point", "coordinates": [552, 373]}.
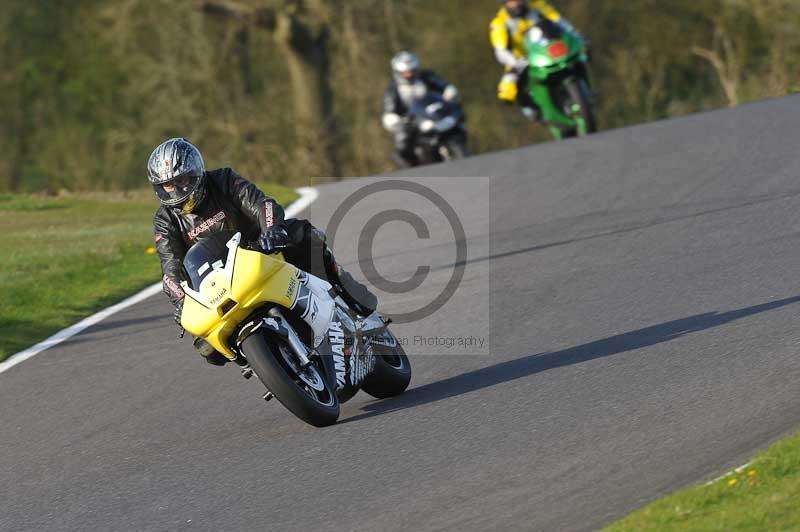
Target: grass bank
{"type": "Point", "coordinates": [65, 258]}
{"type": "Point", "coordinates": [764, 495]}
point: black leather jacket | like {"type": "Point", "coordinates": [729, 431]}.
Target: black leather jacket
{"type": "Point", "coordinates": [232, 203]}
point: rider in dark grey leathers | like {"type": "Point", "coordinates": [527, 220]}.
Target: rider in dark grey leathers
{"type": "Point", "coordinates": [196, 202]}
{"type": "Point", "coordinates": [409, 82]}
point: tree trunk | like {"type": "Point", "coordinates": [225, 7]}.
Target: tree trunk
{"type": "Point", "coordinates": [722, 56]}
{"type": "Point", "coordinates": [300, 32]}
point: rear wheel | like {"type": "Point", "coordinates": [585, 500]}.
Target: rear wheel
{"type": "Point", "coordinates": [392, 373]}
{"type": "Point", "coordinates": [303, 391]}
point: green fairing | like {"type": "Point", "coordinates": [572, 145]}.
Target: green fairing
{"type": "Point", "coordinates": [549, 80]}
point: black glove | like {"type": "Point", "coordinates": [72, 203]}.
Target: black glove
{"type": "Point", "coordinates": [273, 239]}
{"type": "Point", "coordinates": [178, 311]}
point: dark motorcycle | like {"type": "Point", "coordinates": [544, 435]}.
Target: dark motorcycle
{"type": "Point", "coordinates": [439, 129]}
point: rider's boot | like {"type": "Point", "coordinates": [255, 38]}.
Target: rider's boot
{"type": "Point", "coordinates": [215, 358]}
{"type": "Point", "coordinates": [207, 351]}
{"type": "Point", "coordinates": [528, 107]}
{"type": "Point", "coordinates": [355, 294]}
{"type": "Point", "coordinates": [530, 113]}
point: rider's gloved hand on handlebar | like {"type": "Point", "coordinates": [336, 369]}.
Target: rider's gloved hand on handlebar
{"type": "Point", "coordinates": [450, 94]}
{"type": "Point", "coordinates": [273, 239]}
{"type": "Point", "coordinates": [520, 65]}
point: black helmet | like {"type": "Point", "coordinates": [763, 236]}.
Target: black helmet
{"type": "Point", "coordinates": [519, 10]}
{"type": "Point", "coordinates": [177, 172]}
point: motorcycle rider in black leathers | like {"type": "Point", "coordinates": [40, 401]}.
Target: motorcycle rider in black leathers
{"type": "Point", "coordinates": [196, 202]}
{"type": "Point", "coordinates": [409, 82]}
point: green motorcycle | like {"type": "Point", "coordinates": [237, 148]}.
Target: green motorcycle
{"type": "Point", "coordinates": [560, 80]}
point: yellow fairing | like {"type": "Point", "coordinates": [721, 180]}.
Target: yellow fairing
{"type": "Point", "coordinates": [256, 279]}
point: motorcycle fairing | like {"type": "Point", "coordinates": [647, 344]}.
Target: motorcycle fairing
{"type": "Point", "coordinates": [231, 288]}
{"type": "Point", "coordinates": [351, 351]}
{"type": "Point", "coordinates": [314, 304]}
{"type": "Point", "coordinates": [245, 281]}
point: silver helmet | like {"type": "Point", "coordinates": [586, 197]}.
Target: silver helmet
{"type": "Point", "coordinates": [177, 172]}
{"type": "Point", "coordinates": [405, 66]}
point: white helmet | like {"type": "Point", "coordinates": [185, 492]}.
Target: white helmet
{"type": "Point", "coordinates": [405, 66]}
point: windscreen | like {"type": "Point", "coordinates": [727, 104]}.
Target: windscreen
{"type": "Point", "coordinates": [546, 30]}
{"type": "Point", "coordinates": [208, 254]}
{"type": "Point", "coordinates": [552, 30]}
{"type": "Point", "coordinates": [432, 105]}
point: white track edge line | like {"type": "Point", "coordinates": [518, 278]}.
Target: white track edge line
{"type": "Point", "coordinates": [735, 471]}
{"type": "Point", "coordinates": [308, 195]}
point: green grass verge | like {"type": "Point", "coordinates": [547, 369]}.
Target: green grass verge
{"type": "Point", "coordinates": [765, 495]}
{"type": "Point", "coordinates": [65, 258]}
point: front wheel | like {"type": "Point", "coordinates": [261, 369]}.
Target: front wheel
{"type": "Point", "coordinates": [392, 373]}
{"type": "Point", "coordinates": [454, 149]}
{"type": "Point", "coordinates": [305, 392]}
{"type": "Point", "coordinates": [579, 107]}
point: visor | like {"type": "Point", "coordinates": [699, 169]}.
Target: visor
{"type": "Point", "coordinates": [177, 191]}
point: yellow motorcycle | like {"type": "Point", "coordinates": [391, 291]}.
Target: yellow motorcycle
{"type": "Point", "coordinates": [293, 329]}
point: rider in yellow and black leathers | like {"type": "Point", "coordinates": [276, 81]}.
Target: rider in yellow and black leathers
{"type": "Point", "coordinates": [507, 34]}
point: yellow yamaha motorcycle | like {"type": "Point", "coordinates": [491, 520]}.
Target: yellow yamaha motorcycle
{"type": "Point", "coordinates": [294, 330]}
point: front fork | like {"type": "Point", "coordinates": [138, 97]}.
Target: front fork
{"type": "Point", "coordinates": [277, 324]}
{"type": "Point", "coordinates": [552, 114]}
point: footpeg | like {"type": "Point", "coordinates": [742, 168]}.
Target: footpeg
{"type": "Point", "coordinates": [268, 396]}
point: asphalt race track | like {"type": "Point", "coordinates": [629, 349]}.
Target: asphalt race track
{"type": "Point", "coordinates": [638, 291]}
